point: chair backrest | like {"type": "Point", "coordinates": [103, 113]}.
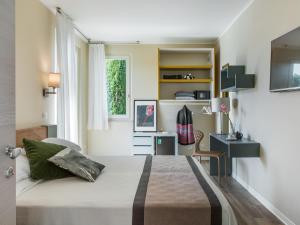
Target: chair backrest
{"type": "Point", "coordinates": [198, 135]}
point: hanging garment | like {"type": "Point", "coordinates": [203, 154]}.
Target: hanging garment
{"type": "Point", "coordinates": [185, 127]}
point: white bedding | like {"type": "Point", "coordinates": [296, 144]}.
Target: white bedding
{"type": "Point", "coordinates": [108, 201]}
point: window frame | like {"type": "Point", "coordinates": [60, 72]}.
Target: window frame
{"type": "Point", "coordinates": [128, 87]}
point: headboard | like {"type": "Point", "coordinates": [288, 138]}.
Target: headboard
{"type": "Point", "coordinates": [35, 133]}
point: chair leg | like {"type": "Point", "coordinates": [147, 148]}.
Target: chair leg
{"type": "Point", "coordinates": [200, 159]}
{"type": "Point", "coordinates": [219, 175]}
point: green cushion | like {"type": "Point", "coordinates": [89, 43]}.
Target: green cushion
{"type": "Point", "coordinates": [38, 154]}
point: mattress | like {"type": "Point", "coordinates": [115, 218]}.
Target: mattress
{"type": "Point", "coordinates": [108, 201]}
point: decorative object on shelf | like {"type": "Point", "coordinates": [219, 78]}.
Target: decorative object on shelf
{"type": "Point", "coordinates": [54, 82]}
{"type": "Point", "coordinates": [192, 95]}
{"type": "Point", "coordinates": [238, 135]}
{"type": "Point", "coordinates": [184, 95]}
{"type": "Point", "coordinates": [233, 78]}
{"type": "Point", "coordinates": [189, 77]}
{"type": "Point", "coordinates": [198, 80]}
{"type": "Point", "coordinates": [222, 105]}
{"type": "Point", "coordinates": [202, 95]}
{"type": "Point", "coordinates": [145, 116]}
{"type": "Point", "coordinates": [173, 76]}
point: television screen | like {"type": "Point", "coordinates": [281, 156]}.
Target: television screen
{"type": "Point", "coordinates": [285, 62]}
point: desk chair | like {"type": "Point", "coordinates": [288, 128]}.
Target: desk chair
{"type": "Point", "coordinates": [199, 135]}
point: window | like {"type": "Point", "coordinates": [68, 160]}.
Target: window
{"type": "Point", "coordinates": [296, 74]}
{"type": "Point", "coordinates": [296, 70]}
{"type": "Point", "coordinates": [117, 72]}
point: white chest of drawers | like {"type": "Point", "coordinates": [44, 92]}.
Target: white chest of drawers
{"type": "Point", "coordinates": [148, 143]}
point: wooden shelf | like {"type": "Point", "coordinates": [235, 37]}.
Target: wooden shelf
{"type": "Point", "coordinates": [186, 67]}
{"type": "Point", "coordinates": [200, 62]}
{"type": "Point", "coordinates": [194, 102]}
{"type": "Point", "coordinates": [185, 81]}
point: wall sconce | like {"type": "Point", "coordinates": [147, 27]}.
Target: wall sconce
{"type": "Point", "coordinates": [54, 82]}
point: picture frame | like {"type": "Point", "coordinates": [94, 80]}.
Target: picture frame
{"type": "Point", "coordinates": [145, 116]}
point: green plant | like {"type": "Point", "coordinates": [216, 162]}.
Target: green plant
{"type": "Point", "coordinates": [116, 86]}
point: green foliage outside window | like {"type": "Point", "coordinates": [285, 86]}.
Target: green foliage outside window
{"type": "Point", "coordinates": [116, 86]}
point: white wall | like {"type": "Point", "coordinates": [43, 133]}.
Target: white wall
{"type": "Point", "coordinates": [34, 43]}
{"type": "Point", "coordinates": [144, 83]}
{"type": "Point", "coordinates": [269, 118]}
{"type": "Point", "coordinates": [35, 25]}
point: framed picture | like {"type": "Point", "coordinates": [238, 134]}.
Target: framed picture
{"type": "Point", "coordinates": [145, 116]}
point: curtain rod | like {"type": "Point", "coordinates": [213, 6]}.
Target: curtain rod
{"type": "Point", "coordinates": [95, 42]}
{"type": "Point", "coordinates": [114, 43]}
{"type": "Point", "coordinates": [60, 11]}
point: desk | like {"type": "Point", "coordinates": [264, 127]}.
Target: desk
{"type": "Point", "coordinates": [234, 149]}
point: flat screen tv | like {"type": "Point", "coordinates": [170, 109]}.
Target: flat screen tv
{"type": "Point", "coordinates": [285, 62]}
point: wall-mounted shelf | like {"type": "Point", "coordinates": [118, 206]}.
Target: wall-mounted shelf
{"type": "Point", "coordinates": [233, 79]}
{"type": "Point", "coordinates": [180, 62]}
{"type": "Point", "coordinates": [194, 102]}
{"type": "Point", "coordinates": [186, 67]}
{"type": "Point", "coordinates": [185, 81]}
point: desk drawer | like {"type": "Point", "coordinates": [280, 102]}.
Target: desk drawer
{"type": "Point", "coordinates": [142, 141]}
{"type": "Point", "coordinates": [245, 150]}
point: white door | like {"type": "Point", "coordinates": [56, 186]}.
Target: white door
{"type": "Point", "coordinates": [7, 111]}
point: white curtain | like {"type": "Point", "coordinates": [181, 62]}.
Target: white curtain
{"type": "Point", "coordinates": [67, 99]}
{"type": "Point", "coordinates": [98, 108]}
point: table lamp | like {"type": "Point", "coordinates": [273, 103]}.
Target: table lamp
{"type": "Point", "coordinates": [222, 105]}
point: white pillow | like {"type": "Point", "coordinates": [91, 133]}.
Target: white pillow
{"type": "Point", "coordinates": [22, 167]}
{"type": "Point", "coordinates": [63, 142]}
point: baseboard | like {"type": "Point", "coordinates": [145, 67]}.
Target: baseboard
{"type": "Point", "coordinates": [283, 218]}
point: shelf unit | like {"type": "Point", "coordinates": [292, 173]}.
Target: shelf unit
{"type": "Point", "coordinates": [200, 62]}
{"type": "Point", "coordinates": [185, 81]}
{"type": "Point", "coordinates": [189, 67]}
{"type": "Point", "coordinates": [233, 78]}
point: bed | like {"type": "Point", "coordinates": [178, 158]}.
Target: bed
{"type": "Point", "coordinates": [132, 190]}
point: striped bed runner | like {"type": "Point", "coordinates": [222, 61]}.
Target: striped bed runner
{"type": "Point", "coordinates": [172, 191]}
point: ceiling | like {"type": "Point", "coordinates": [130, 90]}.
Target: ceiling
{"type": "Point", "coordinates": [151, 21]}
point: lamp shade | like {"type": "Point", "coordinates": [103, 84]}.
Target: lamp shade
{"type": "Point", "coordinates": [54, 80]}
{"type": "Point", "coordinates": [220, 105]}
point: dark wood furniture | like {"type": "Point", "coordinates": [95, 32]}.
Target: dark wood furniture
{"type": "Point", "coordinates": [199, 135]}
{"type": "Point", "coordinates": [232, 149]}
{"type": "Point", "coordinates": [233, 79]}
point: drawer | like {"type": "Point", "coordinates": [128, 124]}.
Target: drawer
{"type": "Point", "coordinates": [143, 141]}
{"type": "Point", "coordinates": [245, 150]}
{"type": "Point", "coordinates": [142, 150]}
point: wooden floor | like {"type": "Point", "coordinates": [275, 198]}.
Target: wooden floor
{"type": "Point", "coordinates": [247, 209]}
